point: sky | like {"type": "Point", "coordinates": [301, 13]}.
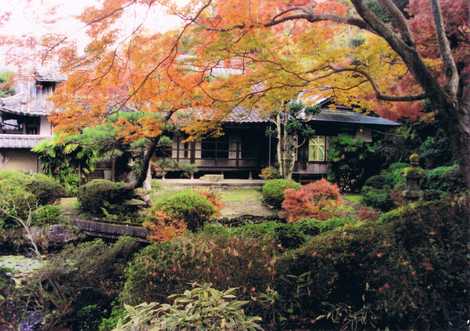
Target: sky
{"type": "Point", "coordinates": [38, 17]}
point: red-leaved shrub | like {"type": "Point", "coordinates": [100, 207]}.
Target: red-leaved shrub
{"type": "Point", "coordinates": [315, 200]}
{"type": "Point", "coordinates": [214, 199]}
{"type": "Point", "coordinates": [367, 214]}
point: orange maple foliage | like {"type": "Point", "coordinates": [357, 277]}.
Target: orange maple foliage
{"type": "Point", "coordinates": [163, 228]}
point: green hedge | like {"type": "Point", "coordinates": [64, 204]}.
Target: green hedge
{"type": "Point", "coordinates": [224, 261]}
{"type": "Point", "coordinates": [273, 191]}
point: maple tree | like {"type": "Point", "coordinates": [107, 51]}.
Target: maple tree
{"type": "Point", "coordinates": [385, 55]}
{"type": "Point", "coordinates": [420, 49]}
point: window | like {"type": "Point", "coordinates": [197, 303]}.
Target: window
{"type": "Point", "coordinates": [45, 87]}
{"type": "Point", "coordinates": [214, 148]}
{"type": "Point", "coordinates": [13, 124]}
{"type": "Point", "coordinates": [317, 149]}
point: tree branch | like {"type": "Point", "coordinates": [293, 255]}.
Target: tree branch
{"type": "Point", "coordinates": [450, 67]}
{"type": "Point", "coordinates": [302, 15]}
{"type": "Point", "coordinates": [379, 95]}
{"type": "Point", "coordinates": [400, 21]}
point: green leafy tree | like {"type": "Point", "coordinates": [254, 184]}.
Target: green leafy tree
{"type": "Point", "coordinates": [352, 161]}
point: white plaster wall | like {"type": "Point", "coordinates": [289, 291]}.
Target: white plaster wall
{"type": "Point", "coordinates": [18, 159]}
{"type": "Point", "coordinates": [45, 128]}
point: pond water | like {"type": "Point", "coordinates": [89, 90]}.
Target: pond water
{"type": "Point", "coordinates": [20, 266]}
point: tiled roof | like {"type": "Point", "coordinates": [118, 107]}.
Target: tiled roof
{"type": "Point", "coordinates": [23, 104]}
{"type": "Point", "coordinates": [343, 116]}
{"type": "Point", "coordinates": [20, 140]}
{"type": "Point", "coordinates": [242, 115]}
{"type": "Point", "coordinates": [49, 75]}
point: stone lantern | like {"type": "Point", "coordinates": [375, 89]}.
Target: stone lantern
{"type": "Point", "coordinates": [414, 175]}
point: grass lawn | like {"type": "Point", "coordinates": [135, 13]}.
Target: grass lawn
{"type": "Point", "coordinates": [69, 207]}
{"type": "Point", "coordinates": [237, 201]}
{"type": "Point", "coordinates": [354, 198]}
{"type": "Point", "coordinates": [237, 195]}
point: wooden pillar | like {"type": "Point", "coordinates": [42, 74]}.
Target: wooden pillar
{"type": "Point", "coordinates": [177, 149]}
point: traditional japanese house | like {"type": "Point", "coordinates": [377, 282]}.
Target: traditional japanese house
{"type": "Point", "coordinates": [245, 147]}
{"type": "Point", "coordinates": [23, 121]}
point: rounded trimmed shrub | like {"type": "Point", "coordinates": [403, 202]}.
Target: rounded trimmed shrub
{"type": "Point", "coordinates": [273, 191]}
{"type": "Point", "coordinates": [100, 194]}
{"type": "Point", "coordinates": [45, 188]}
{"type": "Point", "coordinates": [188, 205]}
{"type": "Point", "coordinates": [377, 198]}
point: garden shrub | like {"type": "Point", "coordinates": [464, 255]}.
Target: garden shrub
{"type": "Point", "coordinates": [273, 191]}
{"type": "Point", "coordinates": [378, 182]}
{"type": "Point", "coordinates": [19, 178]}
{"type": "Point", "coordinates": [163, 227]}
{"type": "Point", "coordinates": [187, 205]}
{"type": "Point", "coordinates": [367, 214]}
{"type": "Point", "coordinates": [48, 214]}
{"type": "Point", "coordinates": [377, 198]}
{"type": "Point", "coordinates": [284, 235]}
{"type": "Point", "coordinates": [315, 200]}
{"type": "Point", "coordinates": [352, 161]}
{"type": "Point", "coordinates": [394, 173]}
{"type": "Point", "coordinates": [268, 173]}
{"type": "Point", "coordinates": [224, 261]}
{"type": "Point", "coordinates": [46, 189]}
{"type": "Point", "coordinates": [109, 323]}
{"type": "Point", "coordinates": [444, 179]}
{"type": "Point", "coordinates": [409, 273]}
{"type": "Point", "coordinates": [384, 191]}
{"type": "Point", "coordinates": [15, 202]}
{"type": "Point", "coordinates": [101, 194]}
{"type": "Point", "coordinates": [214, 199]}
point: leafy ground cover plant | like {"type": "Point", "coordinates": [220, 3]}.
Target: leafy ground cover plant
{"type": "Point", "coordinates": [199, 308]}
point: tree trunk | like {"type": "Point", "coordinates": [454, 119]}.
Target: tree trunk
{"type": "Point", "coordinates": [146, 165]}
{"type": "Point", "coordinates": [279, 144]}
{"type": "Point", "coordinates": [147, 185]}
{"type": "Point", "coordinates": [463, 130]}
